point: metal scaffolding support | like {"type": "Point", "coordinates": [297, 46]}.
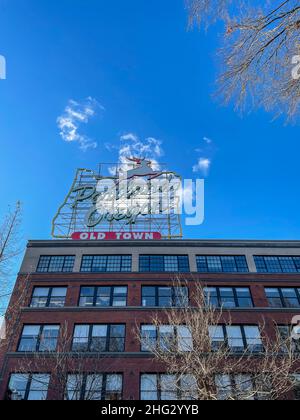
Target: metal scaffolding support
{"type": "Point", "coordinates": [71, 216]}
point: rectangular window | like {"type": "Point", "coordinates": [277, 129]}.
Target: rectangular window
{"type": "Point", "coordinates": [285, 334]}
{"type": "Point", "coordinates": [28, 387]}
{"type": "Point", "coordinates": [48, 297]}
{"type": "Point", "coordinates": [238, 387]}
{"type": "Point", "coordinates": [163, 387]}
{"type": "Point", "coordinates": [283, 297]}
{"type": "Point", "coordinates": [94, 387]}
{"type": "Point", "coordinates": [39, 338]}
{"type": "Point", "coordinates": [228, 297]}
{"type": "Point", "coordinates": [164, 296]}
{"type": "Point", "coordinates": [166, 337]}
{"type": "Point", "coordinates": [56, 264]}
{"type": "Point", "coordinates": [164, 263]}
{"type": "Point", "coordinates": [275, 264]}
{"type": "Point", "coordinates": [106, 263]}
{"type": "Point", "coordinates": [237, 338]}
{"type": "Point", "coordinates": [222, 264]}
{"type": "Point", "coordinates": [99, 338]}
{"type": "Point", "coordinates": [103, 296]}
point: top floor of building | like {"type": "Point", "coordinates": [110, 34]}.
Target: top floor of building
{"type": "Point", "coordinates": [177, 256]}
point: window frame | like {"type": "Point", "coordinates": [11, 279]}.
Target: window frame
{"type": "Point", "coordinates": [282, 297]}
{"type": "Point", "coordinates": [289, 328]}
{"type": "Point", "coordinates": [95, 296]}
{"type": "Point", "coordinates": [158, 340]}
{"type": "Point", "coordinates": [49, 297]}
{"type": "Point", "coordinates": [157, 296]}
{"type": "Point", "coordinates": [39, 338]}
{"type": "Point", "coordinates": [51, 257]}
{"type": "Point", "coordinates": [261, 259]}
{"type": "Point", "coordinates": [107, 262]}
{"type": "Point", "coordinates": [29, 383]}
{"type": "Point", "coordinates": [165, 264]}
{"type": "Point", "coordinates": [242, 328]}
{"type": "Point", "coordinates": [159, 389]}
{"type": "Point", "coordinates": [104, 385]}
{"type": "Point", "coordinates": [220, 257]}
{"type": "Point", "coordinates": [234, 385]}
{"type": "Point", "coordinates": [235, 296]}
{"type": "Point", "coordinates": [90, 338]}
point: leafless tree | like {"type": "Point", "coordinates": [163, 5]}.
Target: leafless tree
{"type": "Point", "coordinates": [70, 369]}
{"type": "Point", "coordinates": [10, 246]}
{"type": "Point", "coordinates": [261, 52]}
{"type": "Point", "coordinates": [11, 325]}
{"type": "Point", "coordinates": [208, 368]}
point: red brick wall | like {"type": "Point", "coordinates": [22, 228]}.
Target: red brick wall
{"type": "Point", "coordinates": [132, 365]}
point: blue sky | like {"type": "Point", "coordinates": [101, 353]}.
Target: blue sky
{"type": "Point", "coordinates": [154, 79]}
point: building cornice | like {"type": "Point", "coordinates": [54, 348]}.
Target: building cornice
{"type": "Point", "coordinates": [191, 243]}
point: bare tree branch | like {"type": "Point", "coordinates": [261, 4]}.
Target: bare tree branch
{"type": "Point", "coordinates": [260, 53]}
{"type": "Point", "coordinates": [257, 372]}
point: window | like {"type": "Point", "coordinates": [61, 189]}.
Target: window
{"type": "Point", "coordinates": [168, 387]}
{"type": "Point", "coordinates": [283, 297]}
{"type": "Point", "coordinates": [165, 297]}
{"type": "Point", "coordinates": [237, 338]}
{"type": "Point", "coordinates": [103, 296]}
{"type": "Point", "coordinates": [106, 263]}
{"type": "Point", "coordinates": [39, 338]}
{"type": "Point", "coordinates": [57, 264]}
{"type": "Point", "coordinates": [228, 297]}
{"type": "Point", "coordinates": [166, 337]}
{"type": "Point", "coordinates": [29, 387]}
{"type": "Point", "coordinates": [222, 264]}
{"type": "Point", "coordinates": [48, 297]}
{"type": "Point", "coordinates": [277, 264]}
{"type": "Point", "coordinates": [94, 387]}
{"type": "Point", "coordinates": [239, 387]}
{"type": "Point", "coordinates": [99, 338]}
{"type": "Point", "coordinates": [285, 333]}
{"type": "Point", "coordinates": [161, 263]}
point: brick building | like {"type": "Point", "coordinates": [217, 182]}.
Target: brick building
{"type": "Point", "coordinates": [102, 291]}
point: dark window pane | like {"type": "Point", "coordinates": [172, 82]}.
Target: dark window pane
{"type": "Point", "coordinates": [149, 301]}
{"type": "Point", "coordinates": [290, 298]}
{"type": "Point", "coordinates": [56, 264]}
{"type": "Point", "coordinates": [167, 263]}
{"type": "Point", "coordinates": [219, 264]}
{"type": "Point", "coordinates": [86, 301]}
{"type": "Point", "coordinates": [49, 337]}
{"type": "Point", "coordinates": [106, 263]}
{"type": "Point", "coordinates": [274, 298]}
{"type": "Point", "coordinates": [227, 297]}
{"type": "Point", "coordinates": [244, 298]}
{"type": "Point", "coordinates": [277, 264]}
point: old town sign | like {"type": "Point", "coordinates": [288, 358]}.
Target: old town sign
{"type": "Point", "coordinates": [136, 200]}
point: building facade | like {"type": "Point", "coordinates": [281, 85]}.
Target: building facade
{"type": "Point", "coordinates": [101, 293]}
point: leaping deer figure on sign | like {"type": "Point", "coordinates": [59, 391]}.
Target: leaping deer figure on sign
{"type": "Point", "coordinates": [143, 169]}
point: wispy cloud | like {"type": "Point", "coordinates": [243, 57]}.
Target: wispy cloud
{"type": "Point", "coordinates": [206, 154]}
{"type": "Point", "coordinates": [132, 146]}
{"type": "Point", "coordinates": [76, 114]}
{"type": "Point", "coordinates": [203, 165]}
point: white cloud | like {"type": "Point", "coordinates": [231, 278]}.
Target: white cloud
{"type": "Point", "coordinates": [129, 137]}
{"type": "Point", "coordinates": [132, 146]}
{"type": "Point", "coordinates": [76, 114]}
{"type": "Point", "coordinates": [203, 165]}
{"type": "Point", "coordinates": [206, 152]}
